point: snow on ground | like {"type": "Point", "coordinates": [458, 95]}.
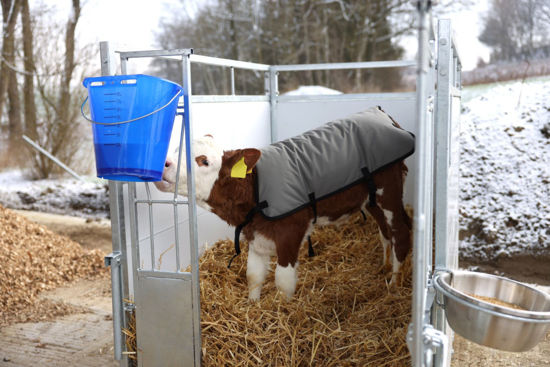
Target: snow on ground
{"type": "Point", "coordinates": [88, 199]}
{"type": "Point", "coordinates": [505, 170]}
{"type": "Point", "coordinates": [305, 90]}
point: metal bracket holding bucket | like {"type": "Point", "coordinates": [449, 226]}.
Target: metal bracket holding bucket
{"type": "Point", "coordinates": [127, 121]}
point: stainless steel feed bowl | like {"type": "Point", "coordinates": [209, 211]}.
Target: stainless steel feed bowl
{"type": "Point", "coordinates": [491, 325]}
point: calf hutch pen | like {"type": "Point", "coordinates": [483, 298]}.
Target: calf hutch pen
{"type": "Point", "coordinates": [157, 236]}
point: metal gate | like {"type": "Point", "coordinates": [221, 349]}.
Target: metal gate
{"type": "Point", "coordinates": [156, 236]}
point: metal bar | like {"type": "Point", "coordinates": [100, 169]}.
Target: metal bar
{"type": "Point", "coordinates": [421, 225]}
{"type": "Point", "coordinates": [155, 53]}
{"type": "Point", "coordinates": [232, 69]}
{"type": "Point", "coordinates": [228, 63]}
{"type": "Point", "coordinates": [346, 65]}
{"type": "Point", "coordinates": [165, 274]}
{"type": "Point", "coordinates": [134, 235]}
{"type": "Point", "coordinates": [446, 182]}
{"type": "Point", "coordinates": [118, 232]}
{"type": "Point", "coordinates": [175, 199]}
{"type": "Point", "coordinates": [192, 208]}
{"type": "Point", "coordinates": [123, 65]}
{"type": "Point", "coordinates": [160, 201]}
{"type": "Point", "coordinates": [348, 97]}
{"type": "Point", "coordinates": [113, 260]}
{"type": "Point", "coordinates": [108, 66]}
{"type": "Point", "coordinates": [50, 156]}
{"type": "Point", "coordinates": [231, 99]}
{"type": "Point", "coordinates": [273, 100]}
{"type": "Point", "coordinates": [443, 115]}
{"type": "Point", "coordinates": [151, 227]}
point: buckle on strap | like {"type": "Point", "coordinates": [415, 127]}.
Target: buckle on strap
{"type": "Point", "coordinates": [240, 227]}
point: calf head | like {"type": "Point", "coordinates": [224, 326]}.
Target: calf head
{"type": "Point", "coordinates": [210, 165]}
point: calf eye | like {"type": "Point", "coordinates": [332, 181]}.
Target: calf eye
{"type": "Point", "coordinates": [202, 160]}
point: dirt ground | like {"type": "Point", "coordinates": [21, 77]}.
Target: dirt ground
{"type": "Point", "coordinates": [86, 338]}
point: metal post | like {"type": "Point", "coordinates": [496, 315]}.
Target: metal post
{"type": "Point", "coordinates": [232, 80]}
{"type": "Point", "coordinates": [273, 96]}
{"type": "Point", "coordinates": [116, 207]}
{"type": "Point", "coordinates": [445, 65]}
{"type": "Point", "coordinates": [422, 228]}
{"type": "Point", "coordinates": [192, 207]}
{"type": "Point", "coordinates": [113, 260]}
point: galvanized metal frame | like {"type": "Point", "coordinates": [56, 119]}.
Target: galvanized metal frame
{"type": "Point", "coordinates": [446, 168]}
{"type": "Point", "coordinates": [119, 274]}
{"type": "Point", "coordinates": [422, 218]}
{"type": "Point", "coordinates": [422, 336]}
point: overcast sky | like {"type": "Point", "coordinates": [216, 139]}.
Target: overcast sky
{"type": "Point", "coordinates": [132, 25]}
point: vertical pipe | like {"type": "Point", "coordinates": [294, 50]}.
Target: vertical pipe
{"type": "Point", "coordinates": [192, 207]}
{"type": "Point", "coordinates": [118, 236]}
{"type": "Point", "coordinates": [175, 204]}
{"type": "Point", "coordinates": [273, 96]}
{"type": "Point", "coordinates": [113, 260]}
{"type": "Point", "coordinates": [442, 158]}
{"type": "Point", "coordinates": [123, 65]}
{"type": "Point", "coordinates": [232, 81]}
{"type": "Point", "coordinates": [421, 226]}
{"type": "Point", "coordinates": [151, 227]}
{"type": "Point", "coordinates": [134, 235]}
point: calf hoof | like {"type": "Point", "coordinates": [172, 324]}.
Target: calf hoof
{"type": "Point", "coordinates": [285, 280]}
{"type": "Point", "coordinates": [385, 269]}
{"type": "Point", "coordinates": [254, 294]}
{"type": "Point", "coordinates": [396, 280]}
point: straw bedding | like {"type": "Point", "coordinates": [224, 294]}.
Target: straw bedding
{"type": "Point", "coordinates": [343, 312]}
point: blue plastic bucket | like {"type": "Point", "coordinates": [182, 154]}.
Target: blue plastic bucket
{"type": "Point", "coordinates": [132, 118]}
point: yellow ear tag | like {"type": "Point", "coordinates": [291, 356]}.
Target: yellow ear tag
{"type": "Point", "coordinates": [239, 169]}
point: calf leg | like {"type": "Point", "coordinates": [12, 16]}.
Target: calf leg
{"type": "Point", "coordinates": [385, 237]}
{"type": "Point", "coordinates": [256, 271]}
{"type": "Point", "coordinates": [400, 229]}
{"type": "Point", "coordinates": [287, 258]}
{"type": "Point", "coordinates": [259, 252]}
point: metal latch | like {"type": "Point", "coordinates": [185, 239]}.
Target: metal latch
{"type": "Point", "coordinates": [432, 339]}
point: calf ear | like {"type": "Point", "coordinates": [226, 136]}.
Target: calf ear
{"type": "Point", "coordinates": [251, 157]}
{"type": "Point", "coordinates": [241, 161]}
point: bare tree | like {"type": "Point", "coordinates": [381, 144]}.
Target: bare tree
{"type": "Point", "coordinates": [28, 62]}
{"type": "Point", "coordinates": [517, 29]}
{"type": "Point", "coordinates": [8, 77]}
{"type": "Point", "coordinates": [290, 32]}
{"type": "Point", "coordinates": [49, 75]}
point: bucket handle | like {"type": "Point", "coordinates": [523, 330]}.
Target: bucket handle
{"type": "Point", "coordinates": [127, 121]}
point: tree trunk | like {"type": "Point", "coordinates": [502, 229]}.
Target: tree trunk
{"type": "Point", "coordinates": [63, 106]}
{"type": "Point", "coordinates": [14, 111]}
{"type": "Point", "coordinates": [10, 10]}
{"type": "Point", "coordinates": [28, 87]}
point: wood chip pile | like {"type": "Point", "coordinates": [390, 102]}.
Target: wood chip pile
{"type": "Point", "coordinates": [34, 259]}
{"type": "Point", "coordinates": [343, 312]}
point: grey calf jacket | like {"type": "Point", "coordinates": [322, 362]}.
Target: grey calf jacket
{"type": "Point", "coordinates": [294, 173]}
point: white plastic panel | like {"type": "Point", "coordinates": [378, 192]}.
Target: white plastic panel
{"type": "Point", "coordinates": [296, 117]}
{"type": "Point", "coordinates": [233, 125]}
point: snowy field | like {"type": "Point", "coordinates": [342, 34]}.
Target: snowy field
{"type": "Point", "coordinates": [505, 169]}
{"type": "Point", "coordinates": [88, 199]}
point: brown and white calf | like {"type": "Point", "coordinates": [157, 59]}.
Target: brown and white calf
{"type": "Point", "coordinates": [232, 198]}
